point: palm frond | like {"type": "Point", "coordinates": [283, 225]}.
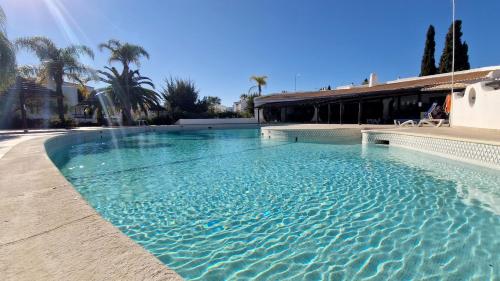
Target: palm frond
{"type": "Point", "coordinates": [137, 97]}
{"type": "Point", "coordinates": [43, 47]}
{"type": "Point", "coordinates": [260, 80]}
{"type": "Point", "coordinates": [7, 62]}
{"type": "Point", "coordinates": [28, 71]}
{"type": "Point", "coordinates": [111, 45]}
{"type": "Point", "coordinates": [78, 50]}
{"type": "Point", "coordinates": [125, 53]}
{"type": "Point", "coordinates": [3, 21]}
{"type": "Point", "coordinates": [7, 55]}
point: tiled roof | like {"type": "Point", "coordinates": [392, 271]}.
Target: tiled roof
{"type": "Point", "coordinates": [30, 88]}
{"type": "Point", "coordinates": [447, 86]}
{"type": "Point", "coordinates": [461, 78]}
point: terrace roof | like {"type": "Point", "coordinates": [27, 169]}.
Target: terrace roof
{"type": "Point", "coordinates": [462, 79]}
{"type": "Point", "coordinates": [30, 88]}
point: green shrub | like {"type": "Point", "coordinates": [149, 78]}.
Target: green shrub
{"type": "Point", "coordinates": [67, 124]}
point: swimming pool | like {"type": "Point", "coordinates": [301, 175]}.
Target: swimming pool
{"type": "Point", "coordinates": [229, 205]}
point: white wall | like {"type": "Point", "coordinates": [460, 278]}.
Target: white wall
{"type": "Point", "coordinates": [481, 112]}
{"type": "Point", "coordinates": [70, 92]}
{"type": "Point", "coordinates": [216, 121]}
{"type": "Point", "coordinates": [259, 115]}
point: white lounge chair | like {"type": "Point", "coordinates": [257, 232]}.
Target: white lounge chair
{"type": "Point", "coordinates": [404, 122]}
{"type": "Point", "coordinates": [429, 120]}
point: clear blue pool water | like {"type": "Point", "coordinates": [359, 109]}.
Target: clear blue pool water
{"type": "Point", "coordinates": [228, 205]}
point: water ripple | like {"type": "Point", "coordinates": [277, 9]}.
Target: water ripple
{"type": "Point", "coordinates": [227, 205]}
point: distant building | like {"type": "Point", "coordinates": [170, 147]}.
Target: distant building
{"type": "Point", "coordinates": [219, 108]}
{"type": "Point", "coordinates": [40, 102]}
{"type": "Point", "coordinates": [73, 98]}
{"type": "Point", "coordinates": [240, 106]}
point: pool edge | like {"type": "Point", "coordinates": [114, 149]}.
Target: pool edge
{"type": "Point", "coordinates": [474, 152]}
{"type": "Point", "coordinates": [52, 233]}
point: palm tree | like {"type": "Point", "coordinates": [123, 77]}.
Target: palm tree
{"type": "Point", "coordinates": [125, 53]}
{"type": "Point", "coordinates": [137, 98]}
{"type": "Point", "coordinates": [260, 81]}
{"type": "Point", "coordinates": [7, 56]}
{"type": "Point", "coordinates": [57, 63]}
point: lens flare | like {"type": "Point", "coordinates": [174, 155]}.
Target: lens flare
{"type": "Point", "coordinates": [67, 24]}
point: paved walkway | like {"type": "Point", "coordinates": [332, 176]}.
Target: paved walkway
{"type": "Point", "coordinates": [10, 138]}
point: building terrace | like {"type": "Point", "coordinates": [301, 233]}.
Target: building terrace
{"type": "Point", "coordinates": [374, 103]}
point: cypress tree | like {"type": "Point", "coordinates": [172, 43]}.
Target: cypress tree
{"type": "Point", "coordinates": [463, 58]}
{"type": "Point", "coordinates": [428, 66]}
{"type": "Point", "coordinates": [461, 51]}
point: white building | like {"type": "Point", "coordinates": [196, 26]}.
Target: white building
{"type": "Point", "coordinates": [219, 108]}
{"type": "Point", "coordinates": [44, 107]}
{"type": "Point", "coordinates": [478, 105]}
{"type": "Point", "coordinates": [240, 106]}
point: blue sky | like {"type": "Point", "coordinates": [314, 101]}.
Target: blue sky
{"type": "Point", "coordinates": [219, 44]}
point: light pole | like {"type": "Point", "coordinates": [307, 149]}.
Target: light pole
{"type": "Point", "coordinates": [453, 49]}
{"type": "Point", "coordinates": [449, 98]}
{"type": "Point", "coordinates": [296, 76]}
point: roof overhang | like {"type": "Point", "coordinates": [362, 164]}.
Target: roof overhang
{"type": "Point", "coordinates": [427, 84]}
{"type": "Point", "coordinates": [30, 89]}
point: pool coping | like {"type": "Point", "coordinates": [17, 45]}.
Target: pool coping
{"type": "Point", "coordinates": [435, 136]}
{"type": "Point", "coordinates": [49, 232]}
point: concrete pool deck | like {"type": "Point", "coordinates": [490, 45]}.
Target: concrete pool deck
{"type": "Point", "coordinates": [49, 232]}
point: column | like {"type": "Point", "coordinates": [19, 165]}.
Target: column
{"type": "Point", "coordinates": [341, 109]}
{"type": "Point", "coordinates": [360, 111]}
{"type": "Point", "coordinates": [329, 113]}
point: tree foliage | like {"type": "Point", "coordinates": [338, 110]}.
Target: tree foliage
{"type": "Point", "coordinates": [7, 55]}
{"type": "Point", "coordinates": [58, 64]}
{"type": "Point", "coordinates": [127, 88]}
{"type": "Point", "coordinates": [125, 53]}
{"type": "Point", "coordinates": [140, 96]}
{"type": "Point", "coordinates": [428, 65]}
{"type": "Point", "coordinates": [250, 104]}
{"type": "Point", "coordinates": [260, 82]}
{"type": "Point", "coordinates": [209, 104]}
{"type": "Point", "coordinates": [182, 99]}
{"type": "Point", "coordinates": [181, 95]}
{"type": "Point", "coordinates": [461, 51]}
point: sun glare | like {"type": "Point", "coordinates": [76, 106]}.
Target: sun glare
{"type": "Point", "coordinates": [66, 23]}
